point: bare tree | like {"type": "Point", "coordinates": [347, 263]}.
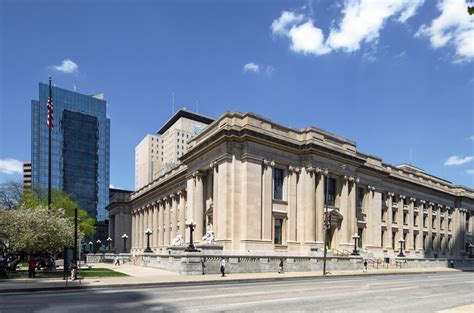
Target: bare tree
{"type": "Point", "coordinates": [10, 194]}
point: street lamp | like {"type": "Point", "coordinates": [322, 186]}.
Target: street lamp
{"type": "Point", "coordinates": [99, 244]}
{"type": "Point", "coordinates": [401, 241]}
{"type": "Point", "coordinates": [191, 225]}
{"type": "Point", "coordinates": [148, 232]}
{"type": "Point", "coordinates": [109, 242]}
{"type": "Point", "coordinates": [124, 237]}
{"type": "Point", "coordinates": [355, 237]}
{"type": "Point", "coordinates": [91, 247]}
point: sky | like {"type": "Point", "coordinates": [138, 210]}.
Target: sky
{"type": "Point", "coordinates": [395, 76]}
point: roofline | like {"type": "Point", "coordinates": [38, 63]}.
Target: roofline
{"type": "Point", "coordinates": [187, 114]}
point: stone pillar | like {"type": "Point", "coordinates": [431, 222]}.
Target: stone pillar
{"type": "Point", "coordinates": [182, 213]}
{"type": "Point", "coordinates": [388, 241]}
{"type": "Point", "coordinates": [166, 227]}
{"type": "Point", "coordinates": [161, 223]}
{"type": "Point", "coordinates": [373, 218]}
{"type": "Point", "coordinates": [420, 244]}
{"type": "Point", "coordinates": [411, 222]}
{"type": "Point", "coordinates": [438, 227]}
{"type": "Point", "coordinates": [309, 176]}
{"type": "Point", "coordinates": [320, 207]}
{"type": "Point", "coordinates": [215, 196]}
{"type": "Point", "coordinates": [401, 211]}
{"type": "Point", "coordinates": [155, 226]}
{"type": "Point", "coordinates": [293, 204]}
{"type": "Point", "coordinates": [348, 217]}
{"type": "Point", "coordinates": [267, 196]}
{"type": "Point", "coordinates": [174, 217]}
{"type": "Point", "coordinates": [198, 214]}
{"type": "Point", "coordinates": [352, 206]}
{"type": "Point", "coordinates": [142, 228]}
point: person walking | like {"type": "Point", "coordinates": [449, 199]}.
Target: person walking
{"type": "Point", "coordinates": [73, 270]}
{"type": "Point", "coordinates": [365, 265]}
{"type": "Point", "coordinates": [222, 267]}
{"type": "Point", "coordinates": [117, 261]}
{"type": "Point", "coordinates": [31, 267]}
{"type": "Point", "coordinates": [280, 267]}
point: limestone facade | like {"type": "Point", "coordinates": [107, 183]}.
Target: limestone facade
{"type": "Point", "coordinates": [265, 188]}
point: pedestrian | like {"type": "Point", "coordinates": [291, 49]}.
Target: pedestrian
{"type": "Point", "coordinates": [223, 267]}
{"type": "Point", "coordinates": [117, 261]}
{"type": "Point", "coordinates": [73, 270]}
{"type": "Point", "coordinates": [451, 263]}
{"type": "Point", "coordinates": [31, 267]}
{"type": "Point", "coordinates": [365, 265]}
{"type": "Point", "coordinates": [203, 266]}
{"type": "Point", "coordinates": [280, 270]}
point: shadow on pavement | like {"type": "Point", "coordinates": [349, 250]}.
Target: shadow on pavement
{"type": "Point", "coordinates": [84, 301]}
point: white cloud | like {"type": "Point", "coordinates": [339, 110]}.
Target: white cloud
{"type": "Point", "coordinates": [307, 39]}
{"type": "Point", "coordinates": [112, 186]}
{"type": "Point", "coordinates": [11, 166]}
{"type": "Point", "coordinates": [471, 138]}
{"type": "Point", "coordinates": [453, 27]}
{"type": "Point", "coordinates": [457, 160]}
{"type": "Point", "coordinates": [281, 25]}
{"type": "Point", "coordinates": [361, 22]}
{"type": "Point", "coordinates": [68, 66]}
{"type": "Point", "coordinates": [470, 171]}
{"type": "Point", "coordinates": [251, 67]}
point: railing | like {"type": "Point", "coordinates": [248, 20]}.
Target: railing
{"type": "Point", "coordinates": [344, 252]}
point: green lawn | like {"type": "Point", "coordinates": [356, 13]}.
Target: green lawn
{"type": "Point", "coordinates": [86, 273]}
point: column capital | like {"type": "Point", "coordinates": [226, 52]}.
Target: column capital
{"type": "Point", "coordinates": [390, 194]}
{"type": "Point", "coordinates": [197, 174]}
{"type": "Point", "coordinates": [181, 192]}
{"type": "Point", "coordinates": [422, 201]}
{"type": "Point", "coordinates": [412, 199]}
{"type": "Point", "coordinates": [371, 188]}
{"type": "Point", "coordinates": [266, 163]}
{"type": "Point", "coordinates": [172, 196]}
{"type": "Point", "coordinates": [431, 204]}
{"type": "Point", "coordinates": [294, 169]}
{"type": "Point", "coordinates": [214, 165]}
{"type": "Point", "coordinates": [402, 197]}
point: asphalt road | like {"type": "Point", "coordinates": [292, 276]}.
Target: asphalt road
{"type": "Point", "coordinates": [388, 293]}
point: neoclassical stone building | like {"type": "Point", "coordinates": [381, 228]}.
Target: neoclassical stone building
{"type": "Point", "coordinates": [263, 188]}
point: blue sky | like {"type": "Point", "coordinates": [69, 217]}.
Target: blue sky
{"type": "Point", "coordinates": [394, 76]}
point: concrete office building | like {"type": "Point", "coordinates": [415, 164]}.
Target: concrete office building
{"type": "Point", "coordinates": [263, 188]}
{"type": "Point", "coordinates": [157, 154]}
{"type": "Point", "coordinates": [80, 147]}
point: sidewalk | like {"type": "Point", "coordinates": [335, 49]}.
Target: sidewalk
{"type": "Point", "coordinates": [145, 276]}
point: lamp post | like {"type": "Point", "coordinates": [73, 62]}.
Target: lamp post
{"type": "Point", "coordinates": [470, 250]}
{"type": "Point", "coordinates": [355, 237]}
{"type": "Point", "coordinates": [124, 237]}
{"type": "Point", "coordinates": [99, 244]}
{"type": "Point", "coordinates": [191, 225]}
{"type": "Point", "coordinates": [109, 242]}
{"type": "Point", "coordinates": [91, 247]}
{"type": "Point", "coordinates": [401, 241]}
{"type": "Point", "coordinates": [148, 232]}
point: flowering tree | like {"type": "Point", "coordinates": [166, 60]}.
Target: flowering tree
{"type": "Point", "coordinates": [37, 230]}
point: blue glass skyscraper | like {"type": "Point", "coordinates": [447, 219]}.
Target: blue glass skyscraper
{"type": "Point", "coordinates": [80, 148]}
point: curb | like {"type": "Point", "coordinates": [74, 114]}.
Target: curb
{"type": "Point", "coordinates": [214, 282]}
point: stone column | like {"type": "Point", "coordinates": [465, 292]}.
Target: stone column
{"type": "Point", "coordinates": [352, 205]}
{"type": "Point", "coordinates": [155, 225]}
{"type": "Point", "coordinates": [215, 196]}
{"type": "Point", "coordinates": [141, 228]}
{"type": "Point", "coordinates": [293, 172]}
{"type": "Point", "coordinates": [267, 195]}
{"type": "Point", "coordinates": [372, 218]}
{"type": "Point", "coordinates": [166, 227]}
{"type": "Point", "coordinates": [411, 222]}
{"type": "Point", "coordinates": [309, 176]}
{"type": "Point", "coordinates": [174, 217]}
{"type": "Point", "coordinates": [420, 244]}
{"type": "Point", "coordinates": [401, 211]}
{"type": "Point", "coordinates": [348, 217]}
{"type": "Point", "coordinates": [199, 207]}
{"type": "Point", "coordinates": [161, 223]}
{"type": "Point", "coordinates": [320, 207]}
{"type": "Point", "coordinates": [438, 227]}
{"type": "Point", "coordinates": [182, 212]}
{"type": "Point", "coordinates": [388, 241]}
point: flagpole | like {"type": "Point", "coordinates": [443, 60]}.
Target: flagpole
{"type": "Point", "coordinates": [50, 99]}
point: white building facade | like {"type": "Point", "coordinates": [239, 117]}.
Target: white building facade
{"type": "Point", "coordinates": [265, 188]}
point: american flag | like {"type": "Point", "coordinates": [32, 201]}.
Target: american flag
{"type": "Point", "coordinates": [49, 122]}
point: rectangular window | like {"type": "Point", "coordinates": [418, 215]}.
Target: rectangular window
{"type": "Point", "coordinates": [405, 218]}
{"type": "Point", "coordinates": [330, 191]}
{"type": "Point", "coordinates": [394, 236]}
{"type": "Point", "coordinates": [415, 219]}
{"type": "Point", "coordinates": [382, 239]}
{"type": "Point", "coordinates": [433, 222]}
{"type": "Point", "coordinates": [394, 217]}
{"type": "Point", "coordinates": [424, 221]}
{"type": "Point", "coordinates": [424, 242]}
{"type": "Point", "coordinates": [278, 231]}
{"type": "Point", "coordinates": [360, 232]}
{"type": "Point", "coordinates": [468, 218]}
{"type": "Point", "coordinates": [441, 224]}
{"type": "Point", "coordinates": [360, 197]}
{"type": "Point", "coordinates": [433, 242]}
{"type": "Point", "coordinates": [278, 184]}
{"type": "Point", "coordinates": [414, 241]}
